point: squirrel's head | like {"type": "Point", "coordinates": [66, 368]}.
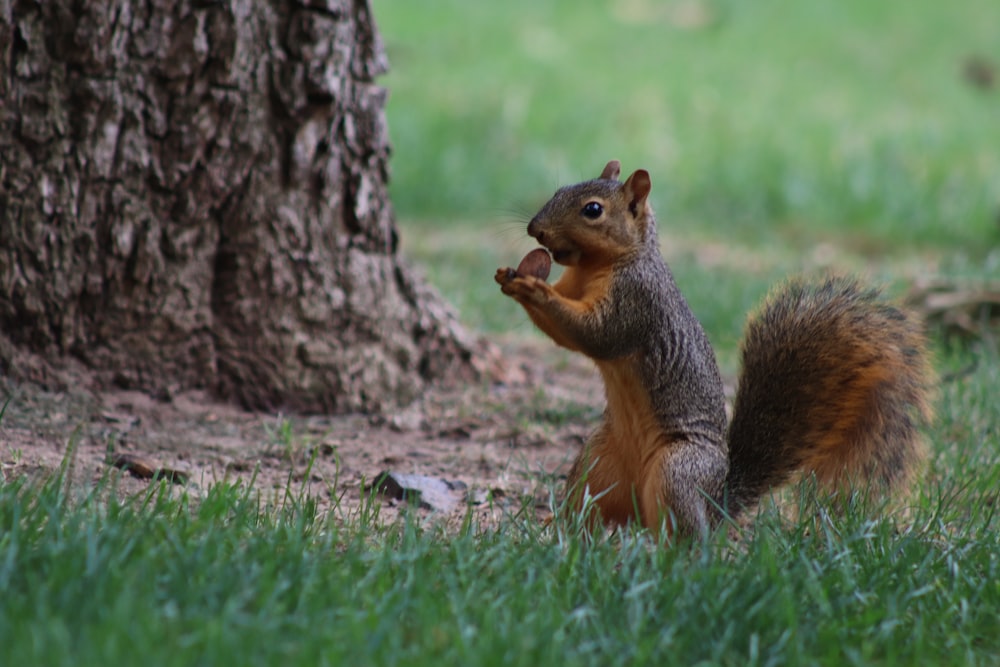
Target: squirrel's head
{"type": "Point", "coordinates": [598, 221]}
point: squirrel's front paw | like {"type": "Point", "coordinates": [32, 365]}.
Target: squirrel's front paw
{"type": "Point", "coordinates": [504, 276]}
{"type": "Point", "coordinates": [526, 289]}
{"type": "Point", "coordinates": [536, 263]}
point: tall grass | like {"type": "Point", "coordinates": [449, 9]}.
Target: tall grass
{"type": "Point", "coordinates": [241, 577]}
{"type": "Point", "coordinates": [159, 580]}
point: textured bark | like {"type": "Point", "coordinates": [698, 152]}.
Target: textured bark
{"type": "Point", "coordinates": [193, 194]}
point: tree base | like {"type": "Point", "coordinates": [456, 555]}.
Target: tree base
{"type": "Point", "coordinates": [194, 196]}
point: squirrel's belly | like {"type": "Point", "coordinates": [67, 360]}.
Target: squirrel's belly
{"type": "Point", "coordinates": [634, 433]}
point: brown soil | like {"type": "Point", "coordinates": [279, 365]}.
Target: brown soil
{"type": "Point", "coordinates": [507, 443]}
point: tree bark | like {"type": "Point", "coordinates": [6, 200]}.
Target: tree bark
{"type": "Point", "coordinates": [193, 194]}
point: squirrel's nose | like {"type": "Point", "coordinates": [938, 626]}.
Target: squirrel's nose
{"type": "Point", "coordinates": [533, 230]}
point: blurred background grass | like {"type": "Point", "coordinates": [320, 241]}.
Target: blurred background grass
{"type": "Point", "coordinates": [781, 136]}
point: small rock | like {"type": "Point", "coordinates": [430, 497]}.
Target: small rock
{"type": "Point", "coordinates": [430, 493]}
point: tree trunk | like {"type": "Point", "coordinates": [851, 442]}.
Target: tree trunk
{"type": "Point", "coordinates": [193, 194]}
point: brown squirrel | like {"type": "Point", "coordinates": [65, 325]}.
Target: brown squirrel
{"type": "Point", "coordinates": [834, 381]}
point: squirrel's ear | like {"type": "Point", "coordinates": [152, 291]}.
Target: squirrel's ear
{"type": "Point", "coordinates": [611, 170]}
{"type": "Point", "coordinates": [637, 188]}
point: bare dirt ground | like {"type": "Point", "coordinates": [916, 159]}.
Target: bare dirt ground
{"type": "Point", "coordinates": [495, 448]}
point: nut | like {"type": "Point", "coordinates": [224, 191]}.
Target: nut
{"type": "Point", "coordinates": [536, 263]}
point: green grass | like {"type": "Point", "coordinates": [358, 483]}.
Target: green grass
{"type": "Point", "coordinates": [843, 118]}
{"type": "Point", "coordinates": [775, 132]}
{"type": "Point", "coordinates": [774, 126]}
{"type": "Point", "coordinates": [232, 579]}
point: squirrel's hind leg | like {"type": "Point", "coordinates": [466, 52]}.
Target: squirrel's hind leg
{"type": "Point", "coordinates": [598, 473]}
{"type": "Point", "coordinates": [681, 484]}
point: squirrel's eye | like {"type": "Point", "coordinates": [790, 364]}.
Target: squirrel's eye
{"type": "Point", "coordinates": [592, 210]}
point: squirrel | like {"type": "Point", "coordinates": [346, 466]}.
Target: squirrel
{"type": "Point", "coordinates": [835, 380]}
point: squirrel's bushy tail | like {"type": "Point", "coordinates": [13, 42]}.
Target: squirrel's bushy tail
{"type": "Point", "coordinates": [835, 383]}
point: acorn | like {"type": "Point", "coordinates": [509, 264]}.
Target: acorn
{"type": "Point", "coordinates": [536, 263]}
